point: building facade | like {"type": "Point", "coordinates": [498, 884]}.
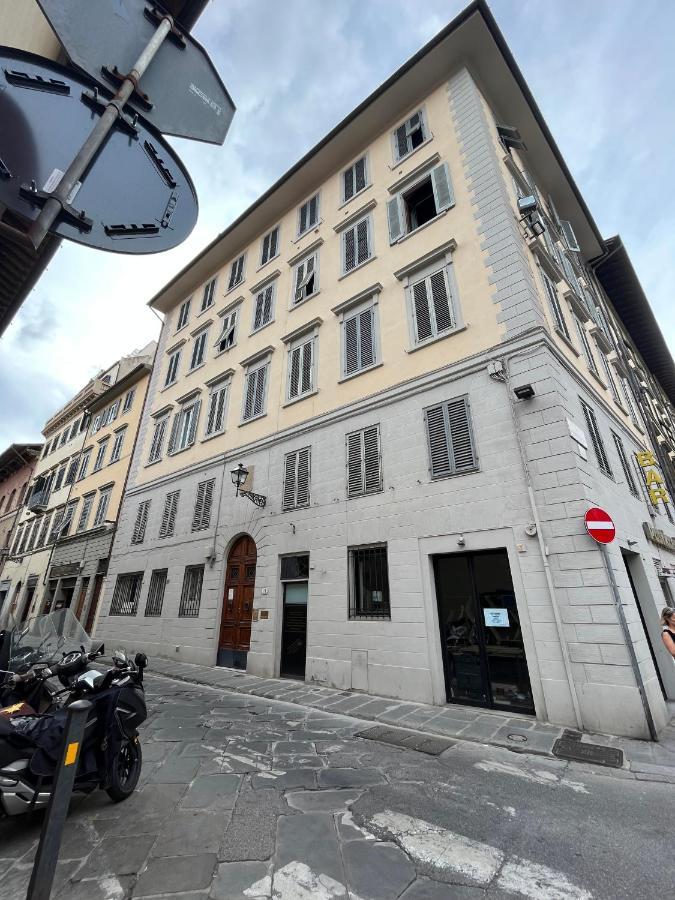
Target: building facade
{"type": "Point", "coordinates": [404, 359]}
{"type": "Point", "coordinates": [16, 467]}
{"type": "Point", "coordinates": [74, 497]}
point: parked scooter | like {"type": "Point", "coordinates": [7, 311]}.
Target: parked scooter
{"type": "Point", "coordinates": [31, 734]}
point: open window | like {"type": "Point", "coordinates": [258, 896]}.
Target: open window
{"type": "Point", "coordinates": [228, 332]}
{"type": "Point", "coordinates": [409, 136]}
{"type": "Point", "coordinates": [420, 202]}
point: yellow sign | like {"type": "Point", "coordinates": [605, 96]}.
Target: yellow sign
{"type": "Point", "coordinates": [8, 710]}
{"type": "Point", "coordinates": [71, 753]}
{"type": "Point", "coordinates": [652, 478]}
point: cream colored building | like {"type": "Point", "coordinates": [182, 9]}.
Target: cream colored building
{"type": "Point", "coordinates": [62, 540]}
{"type": "Point", "coordinates": [421, 377]}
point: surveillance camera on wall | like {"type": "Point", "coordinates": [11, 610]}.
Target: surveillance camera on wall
{"type": "Point", "coordinates": [527, 205]}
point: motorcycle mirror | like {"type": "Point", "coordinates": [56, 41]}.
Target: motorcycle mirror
{"type": "Point", "coordinates": [141, 660]}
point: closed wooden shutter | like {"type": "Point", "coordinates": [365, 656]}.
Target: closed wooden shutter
{"type": "Point", "coordinates": [439, 450]}
{"type": "Point", "coordinates": [194, 419]}
{"type": "Point", "coordinates": [174, 432]}
{"type": "Point", "coordinates": [442, 187]}
{"type": "Point", "coordinates": [463, 455]}
{"type": "Point", "coordinates": [351, 339]}
{"type": "Point", "coordinates": [440, 302]}
{"type": "Point", "coordinates": [570, 237]}
{"type": "Point", "coordinates": [302, 495]}
{"type": "Point", "coordinates": [157, 440]}
{"type": "Point", "coordinates": [623, 459]}
{"type": "Point", "coordinates": [356, 245]}
{"type": "Point", "coordinates": [142, 513]}
{"type": "Point", "coordinates": [395, 220]}
{"type": "Point", "coordinates": [364, 469]}
{"type": "Point", "coordinates": [359, 340]}
{"type": "Point", "coordinates": [249, 396]}
{"type": "Point", "coordinates": [305, 279]}
{"type": "Point", "coordinates": [168, 522]}
{"type": "Point", "coordinates": [290, 480]}
{"type": "Point", "coordinates": [201, 518]}
{"type": "Point", "coordinates": [596, 440]}
{"type": "Point", "coordinates": [354, 464]}
{"type": "Point", "coordinates": [263, 307]}
{"type": "Point", "coordinates": [259, 399]}
{"type": "Point", "coordinates": [294, 372]}
{"type": "Point", "coordinates": [296, 479]}
{"type": "Point", "coordinates": [421, 314]}
{"type": "Point", "coordinates": [401, 141]}
{"type": "Point", "coordinates": [449, 432]}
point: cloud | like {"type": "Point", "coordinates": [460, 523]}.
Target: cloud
{"type": "Point", "coordinates": [294, 70]}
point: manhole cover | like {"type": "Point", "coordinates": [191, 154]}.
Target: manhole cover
{"type": "Point", "coordinates": [517, 738]}
{"type": "Point", "coordinates": [408, 740]}
{"type": "Point", "coordinates": [571, 748]}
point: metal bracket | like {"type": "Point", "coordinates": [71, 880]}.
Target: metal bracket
{"type": "Point", "coordinates": [155, 15]}
{"type": "Point", "coordinates": [76, 217]}
{"type": "Point", "coordinates": [125, 122]}
{"type": "Point", "coordinates": [258, 499]}
{"type": "Point", "coordinates": [168, 212]}
{"type": "Point", "coordinates": [159, 163]}
{"type": "Point", "coordinates": [131, 230]}
{"type": "Point", "coordinates": [116, 77]}
{"type": "Point", "coordinates": [36, 82]}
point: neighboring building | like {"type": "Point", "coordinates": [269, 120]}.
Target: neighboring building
{"type": "Point", "coordinates": [61, 479]}
{"type": "Point", "coordinates": [16, 467]}
{"type": "Point", "coordinates": [421, 376]}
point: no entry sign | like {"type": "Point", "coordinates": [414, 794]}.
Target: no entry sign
{"type": "Point", "coordinates": [599, 525]}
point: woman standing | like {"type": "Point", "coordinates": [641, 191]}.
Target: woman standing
{"type": "Point", "coordinates": [668, 630]}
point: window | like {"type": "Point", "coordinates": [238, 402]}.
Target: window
{"type": "Point", "coordinates": [142, 513]}
{"type": "Point", "coordinates": [215, 416]}
{"type": "Point", "coordinates": [201, 518]}
{"type": "Point", "coordinates": [56, 523]}
{"type": "Point", "coordinates": [209, 294]}
{"type": "Point", "coordinates": [183, 314]}
{"type": "Point", "coordinates": [100, 455]}
{"type": "Point", "coordinates": [96, 426]}
{"type": "Point", "coordinates": [270, 246]}
{"type": "Point", "coordinates": [102, 510]}
{"type": "Point", "coordinates": [294, 568]}
{"type": "Point", "coordinates": [59, 477]}
{"type": "Point", "coordinates": [364, 463]}
{"type": "Point", "coordinates": [596, 439]}
{"type": "Point", "coordinates": [192, 591]}
{"type": "Point", "coordinates": [117, 445]}
{"type": "Point", "coordinates": [450, 437]}
{"type": "Point", "coordinates": [623, 459]}
{"type": "Point", "coordinates": [627, 393]}
{"type": "Point", "coordinates": [85, 512]}
{"type": "Point", "coordinates": [357, 245]}
{"type": "Point", "coordinates": [68, 517]}
{"type": "Point", "coordinates": [354, 179]}
{"type": "Point", "coordinates": [159, 430]}
{"type": "Point", "coordinates": [35, 530]}
{"type": "Point", "coordinates": [227, 336]}
{"type": "Point", "coordinates": [296, 479]}
{"type": "Point", "coordinates": [64, 437]}
{"type": "Point", "coordinates": [72, 471]}
{"type": "Point", "coordinates": [408, 136]}
{"type": "Point", "coordinates": [184, 427]}
{"type": "Point", "coordinates": [172, 368]}
{"type": "Point", "coordinates": [168, 523]}
{"type": "Point", "coordinates": [74, 429]}
{"type": "Point", "coordinates": [198, 349]}
{"type": "Point", "coordinates": [610, 377]}
{"type": "Point", "coordinates": [153, 605]}
{"type": "Point", "coordinates": [359, 344]}
{"type": "Point", "coordinates": [255, 391]}
{"type": "Point", "coordinates": [113, 412]}
{"type": "Point", "coordinates": [431, 306]}
{"type": "Point", "coordinates": [236, 272]}
{"type": "Point", "coordinates": [308, 215]}
{"type": "Point", "coordinates": [556, 310]}
{"type": "Point", "coordinates": [44, 531]}
{"type": "Point", "coordinates": [420, 203]}
{"type": "Point", "coordinates": [84, 464]}
{"type": "Point", "coordinates": [126, 594]}
{"type": "Point", "coordinates": [263, 307]}
{"type": "Point", "coordinates": [128, 400]}
{"type": "Point", "coordinates": [368, 583]}
{"type": "Point", "coordinates": [586, 346]}
{"type": "Point", "coordinates": [306, 278]}
{"type": "Point", "coordinates": [301, 368]}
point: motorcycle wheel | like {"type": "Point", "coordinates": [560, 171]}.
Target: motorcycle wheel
{"type": "Point", "coordinates": [126, 770]}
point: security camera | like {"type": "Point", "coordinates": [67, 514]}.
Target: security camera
{"type": "Point", "coordinates": [527, 205]}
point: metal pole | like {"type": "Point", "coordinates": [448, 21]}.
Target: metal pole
{"type": "Point", "coordinates": [629, 642]}
{"type": "Point", "coordinates": [52, 208]}
{"type": "Point", "coordinates": [47, 856]}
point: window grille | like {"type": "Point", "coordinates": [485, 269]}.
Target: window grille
{"type": "Point", "coordinates": [308, 215]}
{"type": "Point", "coordinates": [168, 522]}
{"type": "Point", "coordinates": [85, 512]}
{"type": "Point", "coordinates": [192, 591]}
{"type": "Point", "coordinates": [364, 464]}
{"type": "Point", "coordinates": [183, 314]}
{"type": "Point", "coordinates": [153, 605]}
{"type": "Point", "coordinates": [368, 583]}
{"type": "Point", "coordinates": [296, 479]}
{"type": "Point", "coordinates": [354, 179]}
{"type": "Point", "coordinates": [208, 295]}
{"type": "Point", "coordinates": [126, 594]}
{"type": "Point", "coordinates": [432, 310]}
{"type": "Point", "coordinates": [201, 517]}
{"type": "Point", "coordinates": [254, 392]}
{"type": "Point", "coordinates": [270, 246]}
{"type": "Point", "coordinates": [409, 135]}
{"type": "Point", "coordinates": [450, 436]}
{"type": "Point", "coordinates": [158, 439]}
{"type": "Point", "coordinates": [215, 417]}
{"type": "Point", "coordinates": [294, 568]}
{"type": "Point", "coordinates": [301, 369]}
{"type": "Point", "coordinates": [138, 535]}
{"type": "Point", "coordinates": [596, 440]}
{"type": "Point", "coordinates": [356, 245]}
{"type": "Point", "coordinates": [263, 307]}
{"type": "Point", "coordinates": [623, 459]}
{"type": "Point", "coordinates": [236, 272]}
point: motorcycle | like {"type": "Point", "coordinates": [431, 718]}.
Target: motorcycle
{"type": "Point", "coordinates": [31, 734]}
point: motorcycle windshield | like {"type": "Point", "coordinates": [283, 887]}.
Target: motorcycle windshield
{"type": "Point", "coordinates": [45, 639]}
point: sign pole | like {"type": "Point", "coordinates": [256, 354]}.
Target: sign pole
{"type": "Point", "coordinates": [629, 642]}
{"type": "Point", "coordinates": [52, 208]}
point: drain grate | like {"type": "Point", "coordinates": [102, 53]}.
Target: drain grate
{"type": "Point", "coordinates": [573, 748]}
{"type": "Point", "coordinates": [398, 737]}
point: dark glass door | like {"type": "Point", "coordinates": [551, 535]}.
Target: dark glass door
{"type": "Point", "coordinates": [294, 631]}
{"type": "Point", "coordinates": [481, 640]}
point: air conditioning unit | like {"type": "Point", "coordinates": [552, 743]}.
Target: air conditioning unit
{"type": "Point", "coordinates": [535, 224]}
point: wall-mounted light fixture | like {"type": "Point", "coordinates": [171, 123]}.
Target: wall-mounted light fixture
{"type": "Point", "coordinates": [239, 476]}
{"type": "Point", "coordinates": [524, 391]}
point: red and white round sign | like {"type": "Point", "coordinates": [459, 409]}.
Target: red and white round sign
{"type": "Point", "coordinates": [599, 525]}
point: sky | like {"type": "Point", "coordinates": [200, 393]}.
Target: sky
{"type": "Point", "coordinates": [601, 73]}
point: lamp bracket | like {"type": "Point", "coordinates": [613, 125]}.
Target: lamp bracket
{"type": "Point", "coordinates": [258, 499]}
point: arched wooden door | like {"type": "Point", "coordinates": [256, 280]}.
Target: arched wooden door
{"type": "Point", "coordinates": [235, 624]}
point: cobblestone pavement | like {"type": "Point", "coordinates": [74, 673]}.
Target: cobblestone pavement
{"type": "Point", "coordinates": [248, 797]}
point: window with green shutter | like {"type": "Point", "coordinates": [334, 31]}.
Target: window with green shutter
{"type": "Point", "coordinates": [450, 436]}
{"type": "Point", "coordinates": [364, 462]}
